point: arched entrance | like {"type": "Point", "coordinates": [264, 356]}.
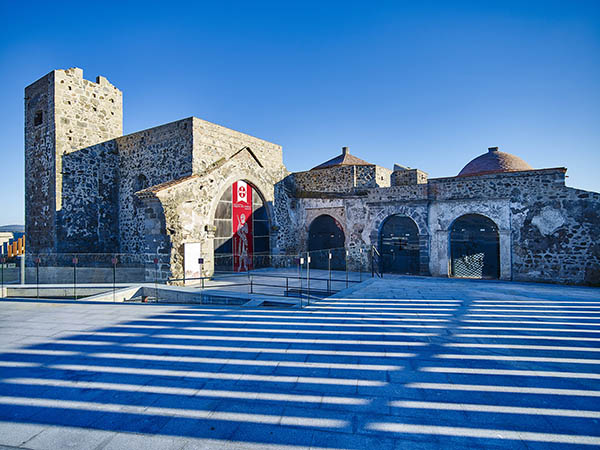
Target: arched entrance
{"type": "Point", "coordinates": [474, 247]}
{"type": "Point", "coordinates": [399, 245]}
{"type": "Point", "coordinates": [326, 233]}
{"type": "Point", "coordinates": [242, 229]}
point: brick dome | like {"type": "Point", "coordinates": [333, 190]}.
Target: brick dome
{"type": "Point", "coordinates": [494, 161]}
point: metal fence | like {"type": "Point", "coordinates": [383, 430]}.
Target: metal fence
{"type": "Point", "coordinates": [305, 275]}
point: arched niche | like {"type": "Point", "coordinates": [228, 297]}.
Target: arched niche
{"type": "Point", "coordinates": [325, 236]}
{"type": "Point", "coordinates": [474, 247]}
{"type": "Point", "coordinates": [399, 245]}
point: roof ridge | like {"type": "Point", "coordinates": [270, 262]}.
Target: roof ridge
{"type": "Point", "coordinates": [345, 159]}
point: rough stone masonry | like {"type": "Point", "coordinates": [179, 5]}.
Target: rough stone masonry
{"type": "Point", "coordinates": [89, 189]}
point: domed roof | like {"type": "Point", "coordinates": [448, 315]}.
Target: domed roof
{"type": "Point", "coordinates": [494, 161]}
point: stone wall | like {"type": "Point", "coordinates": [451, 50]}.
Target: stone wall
{"type": "Point", "coordinates": [63, 113]}
{"type": "Point", "coordinates": [441, 216]}
{"type": "Point", "coordinates": [340, 179]}
{"type": "Point", "coordinates": [187, 206]}
{"type": "Point", "coordinates": [417, 210]}
{"type": "Point", "coordinates": [547, 231]}
{"type": "Point", "coordinates": [86, 113]}
{"type": "Point", "coordinates": [89, 189]}
{"type": "Point", "coordinates": [532, 183]}
{"type": "Point", "coordinates": [557, 238]}
{"type": "Point", "coordinates": [149, 158]}
{"type": "Point", "coordinates": [40, 158]}
{"type": "Point", "coordinates": [415, 192]}
{"type": "Point", "coordinates": [371, 176]}
{"type": "Point", "coordinates": [214, 142]}
{"type": "Point", "coordinates": [404, 177]}
{"type": "Point", "coordinates": [89, 218]}
{"type": "Point", "coordinates": [383, 176]}
{"type": "Point", "coordinates": [333, 179]}
{"type": "Point", "coordinates": [288, 213]}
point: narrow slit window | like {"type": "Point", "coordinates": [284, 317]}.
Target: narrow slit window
{"type": "Point", "coordinates": [38, 118]}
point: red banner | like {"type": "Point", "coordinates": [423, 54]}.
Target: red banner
{"type": "Point", "coordinates": [242, 226]}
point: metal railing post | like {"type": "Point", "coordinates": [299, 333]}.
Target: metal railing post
{"type": "Point", "coordinates": [2, 261]}
{"type": "Point", "coordinates": [308, 277]}
{"type": "Point", "coordinates": [379, 270]}
{"type": "Point", "coordinates": [346, 261]}
{"type": "Point", "coordinates": [114, 264]}
{"type": "Point", "coordinates": [300, 279]}
{"type": "Point", "coordinates": [21, 259]}
{"type": "Point", "coordinates": [329, 265]}
{"type": "Point", "coordinates": [37, 277]}
{"type": "Point", "coordinates": [156, 280]}
{"type": "Point", "coordinates": [360, 267]}
{"type": "Point", "coordinates": [75, 261]}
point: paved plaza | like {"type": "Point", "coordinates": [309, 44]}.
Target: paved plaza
{"type": "Point", "coordinates": [398, 363]}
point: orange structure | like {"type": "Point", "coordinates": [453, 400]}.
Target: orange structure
{"type": "Point", "coordinates": [16, 248]}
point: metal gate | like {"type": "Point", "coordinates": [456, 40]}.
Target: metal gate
{"type": "Point", "coordinates": [474, 247]}
{"type": "Point", "coordinates": [326, 233]}
{"type": "Point", "coordinates": [399, 245]}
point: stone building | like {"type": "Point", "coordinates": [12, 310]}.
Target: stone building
{"type": "Point", "coordinates": [191, 189]}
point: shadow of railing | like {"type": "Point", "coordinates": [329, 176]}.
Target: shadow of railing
{"type": "Point", "coordinates": [340, 373]}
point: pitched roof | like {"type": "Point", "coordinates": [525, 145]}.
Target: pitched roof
{"type": "Point", "coordinates": [345, 159]}
{"type": "Point", "coordinates": [149, 192]}
{"type": "Point", "coordinates": [152, 190]}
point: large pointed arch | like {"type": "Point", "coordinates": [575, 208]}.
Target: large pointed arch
{"type": "Point", "coordinates": [241, 222]}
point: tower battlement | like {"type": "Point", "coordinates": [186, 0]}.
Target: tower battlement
{"type": "Point", "coordinates": [63, 113]}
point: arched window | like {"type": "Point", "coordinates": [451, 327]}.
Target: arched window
{"type": "Point", "coordinates": [399, 245]}
{"type": "Point", "coordinates": [325, 233]}
{"type": "Point", "coordinates": [474, 247]}
{"type": "Point", "coordinates": [242, 229]}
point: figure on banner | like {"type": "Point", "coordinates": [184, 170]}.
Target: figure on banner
{"type": "Point", "coordinates": [242, 250]}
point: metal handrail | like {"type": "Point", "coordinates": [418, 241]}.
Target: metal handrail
{"type": "Point", "coordinates": [249, 280]}
{"type": "Point", "coordinates": [377, 272]}
{"type": "Point", "coordinates": [246, 274]}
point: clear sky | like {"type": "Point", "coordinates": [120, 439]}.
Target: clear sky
{"type": "Point", "coordinates": [427, 84]}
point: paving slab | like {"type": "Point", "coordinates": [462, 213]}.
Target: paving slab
{"type": "Point", "coordinates": [399, 362]}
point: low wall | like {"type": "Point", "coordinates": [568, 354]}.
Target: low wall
{"type": "Point", "coordinates": [11, 275]}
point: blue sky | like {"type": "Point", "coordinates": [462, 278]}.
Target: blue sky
{"type": "Point", "coordinates": [427, 84]}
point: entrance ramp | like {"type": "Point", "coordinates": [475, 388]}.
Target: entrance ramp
{"type": "Point", "coordinates": [151, 293]}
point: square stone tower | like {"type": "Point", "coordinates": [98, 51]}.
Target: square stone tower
{"type": "Point", "coordinates": [63, 113]}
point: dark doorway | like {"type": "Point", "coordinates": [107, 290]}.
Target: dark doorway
{"type": "Point", "coordinates": [399, 245]}
{"type": "Point", "coordinates": [474, 247]}
{"type": "Point", "coordinates": [326, 233]}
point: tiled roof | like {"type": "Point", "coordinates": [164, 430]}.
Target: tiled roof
{"type": "Point", "coordinates": [345, 159]}
{"type": "Point", "coordinates": [149, 192]}
{"type": "Point", "coordinates": [494, 161]}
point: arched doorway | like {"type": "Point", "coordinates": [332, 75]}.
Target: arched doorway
{"type": "Point", "coordinates": [241, 229]}
{"type": "Point", "coordinates": [474, 247]}
{"type": "Point", "coordinates": [399, 245]}
{"type": "Point", "coordinates": [326, 233]}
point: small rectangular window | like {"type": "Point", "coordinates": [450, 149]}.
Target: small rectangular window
{"type": "Point", "coordinates": [37, 120]}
